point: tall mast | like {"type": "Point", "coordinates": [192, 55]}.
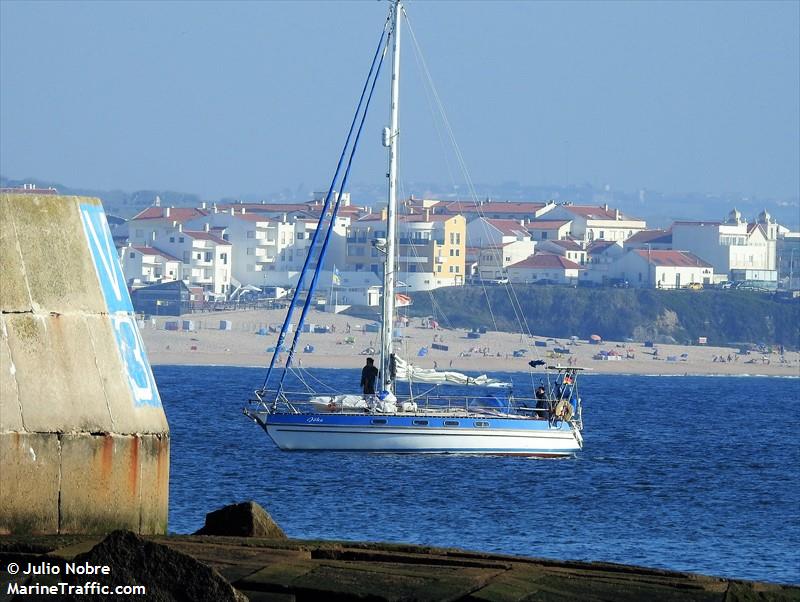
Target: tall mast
{"type": "Point", "coordinates": [391, 218]}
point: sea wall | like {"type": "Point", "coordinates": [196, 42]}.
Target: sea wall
{"type": "Point", "coordinates": [84, 442]}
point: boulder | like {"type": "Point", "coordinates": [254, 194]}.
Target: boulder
{"type": "Point", "coordinates": [167, 574]}
{"type": "Point", "coordinates": [247, 519]}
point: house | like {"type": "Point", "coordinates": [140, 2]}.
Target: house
{"type": "Point", "coordinates": [600, 254]}
{"type": "Point", "coordinates": [514, 210]}
{"type": "Point", "coordinates": [483, 232]}
{"type": "Point", "coordinates": [566, 248]}
{"type": "Point", "coordinates": [642, 268]}
{"type": "Point", "coordinates": [495, 259]}
{"type": "Point", "coordinates": [545, 267]}
{"type": "Point", "coordinates": [738, 250]}
{"type": "Point", "coordinates": [550, 229]}
{"type": "Point", "coordinates": [144, 265]}
{"type": "Point", "coordinates": [788, 250]}
{"type": "Point", "coordinates": [650, 239]}
{"type": "Point", "coordinates": [597, 223]}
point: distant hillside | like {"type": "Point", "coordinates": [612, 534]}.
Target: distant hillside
{"type": "Point", "coordinates": [659, 209]}
{"type": "Point", "coordinates": [725, 317]}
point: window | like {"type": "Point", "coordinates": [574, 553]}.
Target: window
{"type": "Point", "coordinates": [602, 234]}
{"type": "Point", "coordinates": [438, 268]}
{"type": "Point", "coordinates": [481, 423]}
{"type": "Point", "coordinates": [209, 256]}
{"type": "Point", "coordinates": [199, 256]}
{"type": "Point", "coordinates": [544, 235]}
{"type": "Point", "coordinates": [451, 423]}
{"type": "Point", "coordinates": [420, 423]}
{"type": "Point", "coordinates": [180, 239]}
{"type": "Point", "coordinates": [299, 236]}
{"type": "Point", "coordinates": [458, 252]}
{"type": "Point", "coordinates": [251, 251]}
{"type": "Point", "coordinates": [379, 421]}
{"type": "Point", "coordinates": [171, 239]}
{"type": "Point", "coordinates": [251, 234]}
{"type": "Point", "coordinates": [133, 255]}
{"type": "Point", "coordinates": [458, 268]}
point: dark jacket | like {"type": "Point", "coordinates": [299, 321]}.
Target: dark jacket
{"type": "Point", "coordinates": [368, 376]}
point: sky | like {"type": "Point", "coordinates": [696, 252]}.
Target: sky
{"type": "Point", "coordinates": [234, 98]}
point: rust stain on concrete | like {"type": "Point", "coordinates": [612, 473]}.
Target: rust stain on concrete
{"type": "Point", "coordinates": [133, 468]}
{"type": "Point", "coordinates": [107, 457]}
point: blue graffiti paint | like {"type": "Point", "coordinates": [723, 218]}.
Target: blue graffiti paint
{"type": "Point", "coordinates": [120, 309]}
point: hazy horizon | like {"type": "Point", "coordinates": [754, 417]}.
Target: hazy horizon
{"type": "Point", "coordinates": [228, 99]}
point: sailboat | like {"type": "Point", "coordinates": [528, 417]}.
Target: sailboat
{"type": "Point", "coordinates": [397, 418]}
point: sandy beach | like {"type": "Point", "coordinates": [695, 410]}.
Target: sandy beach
{"type": "Point", "coordinates": [347, 343]}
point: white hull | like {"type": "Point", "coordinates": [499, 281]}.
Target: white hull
{"type": "Point", "coordinates": [413, 440]}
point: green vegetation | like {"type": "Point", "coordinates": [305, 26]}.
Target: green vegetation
{"type": "Point", "coordinates": [725, 317]}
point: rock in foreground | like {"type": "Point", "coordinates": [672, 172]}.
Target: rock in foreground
{"type": "Point", "coordinates": [247, 519]}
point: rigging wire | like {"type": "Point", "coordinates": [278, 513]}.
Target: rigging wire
{"type": "Point", "coordinates": [337, 204]}
{"type": "Point", "coordinates": [513, 297]}
{"type": "Point", "coordinates": [380, 50]}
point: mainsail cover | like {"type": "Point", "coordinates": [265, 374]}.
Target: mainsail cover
{"type": "Point", "coordinates": [410, 372]}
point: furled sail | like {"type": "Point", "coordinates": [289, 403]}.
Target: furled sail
{"type": "Point", "coordinates": [410, 372]}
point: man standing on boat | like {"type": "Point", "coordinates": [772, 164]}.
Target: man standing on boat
{"type": "Point", "coordinates": [368, 375]}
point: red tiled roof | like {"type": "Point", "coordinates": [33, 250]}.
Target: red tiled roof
{"type": "Point", "coordinates": [598, 246]}
{"type": "Point", "coordinates": [266, 207]}
{"type": "Point", "coordinates": [548, 224]}
{"type": "Point", "coordinates": [651, 236]}
{"type": "Point", "coordinates": [507, 226]}
{"type": "Point", "coordinates": [145, 250]}
{"type": "Point", "coordinates": [570, 245]}
{"type": "Point", "coordinates": [200, 235]}
{"type": "Point", "coordinates": [176, 214]}
{"type": "Point", "coordinates": [672, 258]}
{"type": "Point", "coordinates": [416, 218]}
{"type": "Point", "coordinates": [546, 260]}
{"type": "Point", "coordinates": [590, 212]}
{"type": "Point", "coordinates": [523, 207]}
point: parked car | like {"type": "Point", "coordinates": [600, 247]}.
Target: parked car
{"type": "Point", "coordinates": [694, 286]}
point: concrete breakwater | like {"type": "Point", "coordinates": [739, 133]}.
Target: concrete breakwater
{"type": "Point", "coordinates": [260, 563]}
{"type": "Point", "coordinates": [84, 442]}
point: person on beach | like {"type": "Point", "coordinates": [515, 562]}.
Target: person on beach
{"type": "Point", "coordinates": [368, 375]}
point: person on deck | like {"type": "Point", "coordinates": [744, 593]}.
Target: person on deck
{"type": "Point", "coordinates": [541, 403]}
{"type": "Point", "coordinates": [368, 375]}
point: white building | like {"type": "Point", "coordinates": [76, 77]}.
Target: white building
{"type": "Point", "coordinates": [641, 268]}
{"type": "Point", "coordinates": [144, 265]}
{"type": "Point", "coordinates": [495, 259]}
{"type": "Point", "coordinates": [597, 223]}
{"type": "Point", "coordinates": [550, 229]}
{"type": "Point", "coordinates": [483, 232]}
{"type": "Point", "coordinates": [554, 269]}
{"type": "Point", "coordinates": [566, 248]}
{"type": "Point", "coordinates": [600, 255]}
{"type": "Point", "coordinates": [737, 250]}
{"type": "Point", "coordinates": [788, 250]}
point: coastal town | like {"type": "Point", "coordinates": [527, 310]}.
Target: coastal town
{"type": "Point", "coordinates": [232, 251]}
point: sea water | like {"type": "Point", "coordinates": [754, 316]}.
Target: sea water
{"type": "Point", "coordinates": [695, 474]}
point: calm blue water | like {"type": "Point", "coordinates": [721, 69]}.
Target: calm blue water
{"type": "Point", "coordinates": [686, 473]}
